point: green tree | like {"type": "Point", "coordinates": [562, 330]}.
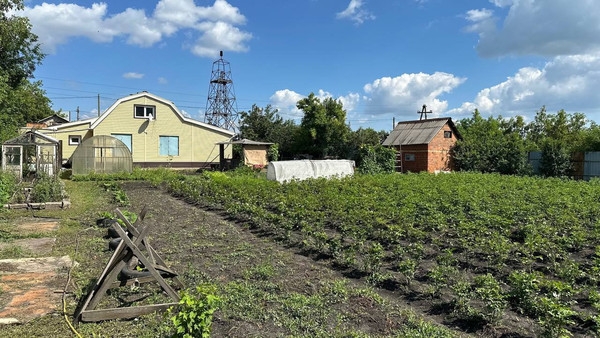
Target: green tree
{"type": "Point", "coordinates": [323, 131]}
{"type": "Point", "coordinates": [363, 137]}
{"type": "Point", "coordinates": [558, 136]}
{"type": "Point", "coordinates": [21, 101]}
{"type": "Point", "coordinates": [375, 159]}
{"type": "Point", "coordinates": [564, 127]}
{"type": "Point", "coordinates": [491, 145]}
{"type": "Point", "coordinates": [265, 125]}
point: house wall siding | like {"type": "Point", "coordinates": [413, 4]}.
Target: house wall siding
{"type": "Point", "coordinates": [62, 135]}
{"type": "Point", "coordinates": [196, 144]}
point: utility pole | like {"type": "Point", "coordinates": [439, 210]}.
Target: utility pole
{"type": "Point", "coordinates": [98, 104]}
{"type": "Point", "coordinates": [77, 113]}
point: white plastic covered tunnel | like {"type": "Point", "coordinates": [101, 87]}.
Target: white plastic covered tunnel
{"type": "Point", "coordinates": [284, 171]}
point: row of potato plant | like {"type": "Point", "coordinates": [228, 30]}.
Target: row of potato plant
{"type": "Point", "coordinates": [499, 244]}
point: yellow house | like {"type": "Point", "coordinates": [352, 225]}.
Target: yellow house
{"type": "Point", "coordinates": [154, 130]}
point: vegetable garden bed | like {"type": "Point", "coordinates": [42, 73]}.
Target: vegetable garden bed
{"type": "Point", "coordinates": [516, 254]}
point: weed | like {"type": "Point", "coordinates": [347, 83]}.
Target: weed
{"type": "Point", "coordinates": [195, 313]}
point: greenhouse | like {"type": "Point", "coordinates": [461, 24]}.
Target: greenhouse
{"type": "Point", "coordinates": [101, 154]}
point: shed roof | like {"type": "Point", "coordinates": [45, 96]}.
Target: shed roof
{"type": "Point", "coordinates": [32, 137]}
{"type": "Point", "coordinates": [418, 132]}
{"type": "Point", "coordinates": [247, 142]}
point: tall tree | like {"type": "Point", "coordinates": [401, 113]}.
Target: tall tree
{"type": "Point", "coordinates": [265, 125]}
{"type": "Point", "coordinates": [557, 136]}
{"type": "Point", "coordinates": [21, 101]}
{"type": "Point", "coordinates": [491, 145]}
{"type": "Point", "coordinates": [323, 131]}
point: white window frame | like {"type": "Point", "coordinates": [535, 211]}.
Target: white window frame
{"type": "Point", "coordinates": [149, 112]}
{"type": "Point", "coordinates": [72, 141]}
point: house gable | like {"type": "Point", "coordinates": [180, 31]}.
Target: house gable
{"type": "Point", "coordinates": [158, 133]}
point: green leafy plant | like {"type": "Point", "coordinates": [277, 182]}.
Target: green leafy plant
{"type": "Point", "coordinates": [47, 189]}
{"type": "Point", "coordinates": [194, 316]}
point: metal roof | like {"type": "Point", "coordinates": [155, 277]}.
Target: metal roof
{"type": "Point", "coordinates": [247, 142]}
{"type": "Point", "coordinates": [418, 132]}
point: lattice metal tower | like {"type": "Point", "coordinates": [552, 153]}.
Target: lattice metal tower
{"type": "Point", "coordinates": [221, 108]}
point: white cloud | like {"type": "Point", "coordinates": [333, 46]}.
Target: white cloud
{"type": "Point", "coordinates": [350, 101]}
{"type": "Point", "coordinates": [219, 36]}
{"type": "Point", "coordinates": [566, 82]}
{"type": "Point", "coordinates": [162, 80]}
{"type": "Point", "coordinates": [405, 94]}
{"type": "Point", "coordinates": [355, 12]}
{"type": "Point", "coordinates": [285, 100]}
{"type": "Point", "coordinates": [538, 27]}
{"type": "Point", "coordinates": [132, 75]}
{"type": "Point", "coordinates": [56, 24]}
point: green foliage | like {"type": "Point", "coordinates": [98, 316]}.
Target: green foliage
{"type": "Point", "coordinates": [47, 189]}
{"type": "Point", "coordinates": [491, 145]}
{"type": "Point", "coordinates": [194, 316]}
{"type": "Point", "coordinates": [273, 152]}
{"type": "Point", "coordinates": [376, 159]}
{"type": "Point", "coordinates": [119, 195]}
{"type": "Point", "coordinates": [529, 225]}
{"type": "Point", "coordinates": [21, 101]}
{"type": "Point", "coordinates": [323, 131]}
{"type": "Point", "coordinates": [265, 125]}
{"type": "Point", "coordinates": [8, 186]}
{"type": "Point", "coordinates": [489, 292]}
{"type": "Point", "coordinates": [556, 159]}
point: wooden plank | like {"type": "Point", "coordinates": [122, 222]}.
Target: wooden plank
{"type": "Point", "coordinates": [116, 258]}
{"type": "Point", "coordinates": [105, 282]}
{"type": "Point", "coordinates": [123, 312]}
{"type": "Point", "coordinates": [148, 264]}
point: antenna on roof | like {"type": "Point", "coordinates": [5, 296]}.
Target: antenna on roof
{"type": "Point", "coordinates": [424, 112]}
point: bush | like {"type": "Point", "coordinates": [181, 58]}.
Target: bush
{"type": "Point", "coordinates": [376, 159]}
{"type": "Point", "coordinates": [8, 185]}
{"type": "Point", "coordinates": [47, 189]}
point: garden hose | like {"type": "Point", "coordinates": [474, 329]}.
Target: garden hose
{"type": "Point", "coordinates": [64, 301]}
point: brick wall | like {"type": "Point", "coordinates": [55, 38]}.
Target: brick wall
{"type": "Point", "coordinates": [419, 152]}
{"type": "Point", "coordinates": [439, 151]}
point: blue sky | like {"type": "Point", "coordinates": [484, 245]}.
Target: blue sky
{"type": "Point", "coordinates": [383, 59]}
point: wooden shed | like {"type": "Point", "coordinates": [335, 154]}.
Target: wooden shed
{"type": "Point", "coordinates": [424, 145]}
{"type": "Point", "coordinates": [254, 153]}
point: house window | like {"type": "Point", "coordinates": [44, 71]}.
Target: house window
{"type": "Point", "coordinates": [144, 112]}
{"type": "Point", "coordinates": [447, 134]}
{"type": "Point", "coordinates": [74, 140]}
{"type": "Point", "coordinates": [409, 157]}
{"type": "Point", "coordinates": [125, 138]}
{"type": "Point", "coordinates": [169, 146]}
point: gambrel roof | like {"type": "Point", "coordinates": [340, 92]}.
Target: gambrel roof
{"type": "Point", "coordinates": [107, 112]}
{"type": "Point", "coordinates": [418, 132]}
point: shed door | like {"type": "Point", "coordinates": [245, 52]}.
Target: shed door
{"type": "Point", "coordinates": [46, 159]}
{"type": "Point", "coordinates": [13, 160]}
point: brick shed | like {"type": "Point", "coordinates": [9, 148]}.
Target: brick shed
{"type": "Point", "coordinates": [423, 145]}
